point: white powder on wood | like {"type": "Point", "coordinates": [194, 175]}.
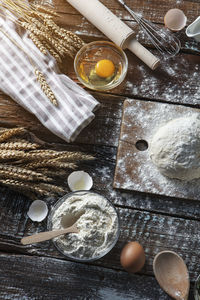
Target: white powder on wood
{"type": "Point", "coordinates": [97, 224]}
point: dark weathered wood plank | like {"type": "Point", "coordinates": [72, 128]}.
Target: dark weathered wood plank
{"type": "Point", "coordinates": [26, 277]}
{"type": "Point", "coordinates": [154, 231]}
{"type": "Point", "coordinates": [39, 278]}
{"type": "Point", "coordinates": [79, 25]}
{"type": "Point", "coordinates": [102, 171]}
{"type": "Point", "coordinates": [154, 10]}
{"type": "Point", "coordinates": [175, 81]}
{"type": "Point", "coordinates": [105, 126]}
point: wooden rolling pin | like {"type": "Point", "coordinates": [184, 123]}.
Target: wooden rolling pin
{"type": "Point", "coordinates": [114, 29]}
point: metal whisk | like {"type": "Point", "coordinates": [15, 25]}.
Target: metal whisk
{"type": "Point", "coordinates": [163, 40]}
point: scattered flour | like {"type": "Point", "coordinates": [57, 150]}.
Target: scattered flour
{"type": "Point", "coordinates": [166, 83]}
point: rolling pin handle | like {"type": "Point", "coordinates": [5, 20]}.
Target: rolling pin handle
{"type": "Point", "coordinates": [145, 55]}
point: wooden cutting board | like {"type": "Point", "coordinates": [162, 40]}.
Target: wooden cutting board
{"type": "Point", "coordinates": [134, 168]}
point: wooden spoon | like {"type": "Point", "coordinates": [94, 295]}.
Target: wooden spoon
{"type": "Point", "coordinates": [48, 235]}
{"type": "Point", "coordinates": [172, 274]}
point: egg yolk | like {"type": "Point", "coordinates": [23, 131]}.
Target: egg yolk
{"type": "Point", "coordinates": [105, 68]}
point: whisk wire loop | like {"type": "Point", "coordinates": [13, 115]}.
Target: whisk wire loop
{"type": "Point", "coordinates": [167, 44]}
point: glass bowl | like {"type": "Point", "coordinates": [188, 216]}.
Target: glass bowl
{"type": "Point", "coordinates": [101, 65]}
{"type": "Point", "coordinates": [197, 289]}
{"type": "Point", "coordinates": [63, 248]}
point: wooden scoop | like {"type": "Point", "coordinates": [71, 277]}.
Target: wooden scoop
{"type": "Point", "coordinates": [172, 274]}
{"type": "Point", "coordinates": [48, 235]}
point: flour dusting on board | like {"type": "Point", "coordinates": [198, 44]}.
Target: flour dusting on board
{"type": "Point", "coordinates": [135, 170]}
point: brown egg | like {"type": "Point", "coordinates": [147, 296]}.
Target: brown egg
{"type": "Point", "coordinates": [132, 257]}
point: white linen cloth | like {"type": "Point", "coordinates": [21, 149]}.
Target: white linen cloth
{"type": "Point", "coordinates": [17, 79]}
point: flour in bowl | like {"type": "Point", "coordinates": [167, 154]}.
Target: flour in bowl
{"type": "Point", "coordinates": [97, 222]}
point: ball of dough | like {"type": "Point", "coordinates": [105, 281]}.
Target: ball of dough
{"type": "Point", "coordinates": [175, 148]}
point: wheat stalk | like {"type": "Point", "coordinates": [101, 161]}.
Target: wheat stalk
{"type": "Point", "coordinates": [38, 43]}
{"type": "Point", "coordinates": [40, 15]}
{"type": "Point", "coordinates": [62, 155]}
{"type": "Point", "coordinates": [21, 186]}
{"type": "Point", "coordinates": [45, 9]}
{"type": "Point", "coordinates": [11, 154]}
{"type": "Point", "coordinates": [66, 35]}
{"type": "Point", "coordinates": [41, 37]}
{"type": "Point", "coordinates": [51, 188]}
{"type": "Point", "coordinates": [10, 133]}
{"type": "Point", "coordinates": [22, 174]}
{"type": "Point", "coordinates": [38, 21]}
{"type": "Point", "coordinates": [18, 146]}
{"type": "Point", "coordinates": [78, 41]}
{"type": "Point", "coordinates": [45, 87]}
{"type": "Point", "coordinates": [51, 163]}
{"type": "Point", "coordinates": [31, 170]}
{"type": "Point", "coordinates": [30, 174]}
{"type": "Point", "coordinates": [52, 173]}
{"type": "Point", "coordinates": [54, 53]}
{"type": "Point", "coordinates": [37, 158]}
{"type": "Point", "coordinates": [39, 76]}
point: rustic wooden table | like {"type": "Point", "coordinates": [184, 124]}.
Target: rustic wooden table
{"type": "Point", "coordinates": [158, 222]}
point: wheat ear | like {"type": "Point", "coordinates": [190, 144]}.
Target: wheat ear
{"type": "Point", "coordinates": [18, 146]}
{"type": "Point", "coordinates": [21, 186]}
{"type": "Point", "coordinates": [52, 173]}
{"type": "Point", "coordinates": [10, 133]}
{"type": "Point", "coordinates": [38, 43]}
{"type": "Point", "coordinates": [54, 53]}
{"type": "Point", "coordinates": [11, 154]}
{"type": "Point", "coordinates": [15, 173]}
{"type": "Point", "coordinates": [39, 76]}
{"type": "Point", "coordinates": [29, 174]}
{"type": "Point", "coordinates": [51, 188]}
{"type": "Point", "coordinates": [45, 87]}
{"type": "Point", "coordinates": [45, 10]}
{"type": "Point", "coordinates": [74, 156]}
{"type": "Point", "coordinates": [52, 164]}
{"type": "Point", "coordinates": [65, 34]}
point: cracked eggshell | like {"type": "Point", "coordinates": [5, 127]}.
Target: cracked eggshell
{"type": "Point", "coordinates": [79, 180]}
{"type": "Point", "coordinates": [175, 19]}
{"type": "Point", "coordinates": [38, 211]}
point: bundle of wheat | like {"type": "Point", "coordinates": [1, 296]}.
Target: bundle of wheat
{"type": "Point", "coordinates": [44, 32]}
{"type": "Point", "coordinates": [26, 166]}
{"type": "Point", "coordinates": [37, 20]}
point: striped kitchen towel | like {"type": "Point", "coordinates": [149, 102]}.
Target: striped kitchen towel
{"type": "Point", "coordinates": [17, 79]}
